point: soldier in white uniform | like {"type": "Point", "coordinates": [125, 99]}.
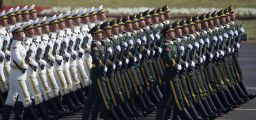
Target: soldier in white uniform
{"type": "Point", "coordinates": [54, 103]}
{"type": "Point", "coordinates": [17, 77]}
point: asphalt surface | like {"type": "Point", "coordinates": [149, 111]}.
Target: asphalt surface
{"type": "Point", "coordinates": [246, 111]}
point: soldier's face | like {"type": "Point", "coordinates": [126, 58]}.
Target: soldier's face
{"type": "Point", "coordinates": [108, 32]}
{"type": "Point", "coordinates": [178, 31]}
{"type": "Point", "coordinates": [185, 30]}
{"type": "Point", "coordinates": [69, 22]}
{"type": "Point", "coordinates": [136, 25]}
{"type": "Point", "coordinates": [30, 32]}
{"type": "Point", "coordinates": [172, 34]}
{"type": "Point", "coordinates": [94, 17]}
{"type": "Point", "coordinates": [19, 35]}
{"type": "Point", "coordinates": [205, 24]}
{"type": "Point", "coordinates": [217, 21]}
{"type": "Point", "coordinates": [129, 26]}
{"type": "Point", "coordinates": [148, 20]}
{"type": "Point", "coordinates": [77, 21]}
{"type": "Point", "coordinates": [19, 17]}
{"type": "Point", "coordinates": [4, 21]}
{"type": "Point", "coordinates": [98, 36]}
{"type": "Point", "coordinates": [33, 15]}
{"type": "Point", "coordinates": [161, 17]}
{"type": "Point", "coordinates": [115, 30]}
{"type": "Point", "coordinates": [122, 28]}
{"type": "Point", "coordinates": [102, 16]}
{"type": "Point", "coordinates": [12, 19]}
{"type": "Point", "coordinates": [62, 25]}
{"type": "Point", "coordinates": [228, 18]}
{"type": "Point", "coordinates": [198, 26]}
{"type": "Point", "coordinates": [233, 17]}
{"type": "Point", "coordinates": [26, 17]}
{"type": "Point", "coordinates": [39, 30]}
{"type": "Point", "coordinates": [156, 19]}
{"type": "Point", "coordinates": [211, 23]}
{"type": "Point", "coordinates": [46, 28]}
{"type": "Point", "coordinates": [167, 15]}
{"type": "Point", "coordinates": [54, 26]}
{"type": "Point", "coordinates": [192, 28]}
{"type": "Point", "coordinates": [223, 20]}
{"type": "Point", "coordinates": [142, 23]}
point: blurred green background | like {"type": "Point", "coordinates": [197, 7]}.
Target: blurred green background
{"type": "Point", "coordinates": [250, 25]}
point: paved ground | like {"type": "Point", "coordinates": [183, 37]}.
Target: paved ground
{"type": "Point", "coordinates": [244, 112]}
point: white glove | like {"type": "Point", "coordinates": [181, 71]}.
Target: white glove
{"type": "Point", "coordinates": [196, 45]}
{"type": "Point", "coordinates": [229, 50]}
{"type": "Point", "coordinates": [130, 42]}
{"type": "Point", "coordinates": [217, 55]}
{"type": "Point", "coordinates": [148, 52]}
{"type": "Point", "coordinates": [221, 38]}
{"type": "Point", "coordinates": [186, 64]}
{"type": "Point", "coordinates": [105, 69]}
{"type": "Point", "coordinates": [152, 36]}
{"type": "Point", "coordinates": [241, 29]}
{"type": "Point", "coordinates": [238, 45]}
{"type": "Point", "coordinates": [190, 46]}
{"type": "Point", "coordinates": [201, 60]}
{"type": "Point", "coordinates": [181, 48]}
{"type": "Point", "coordinates": [126, 61]}
{"type": "Point", "coordinates": [179, 67]}
{"type": "Point", "coordinates": [202, 41]}
{"type": "Point", "coordinates": [140, 56]}
{"type": "Point", "coordinates": [25, 66]}
{"type": "Point", "coordinates": [193, 64]}
{"type": "Point", "coordinates": [144, 38]}
{"type": "Point", "coordinates": [215, 38]}
{"type": "Point", "coordinates": [138, 41]}
{"type": "Point", "coordinates": [233, 50]}
{"type": "Point", "coordinates": [231, 32]}
{"type": "Point", "coordinates": [211, 55]}
{"type": "Point", "coordinates": [160, 50]}
{"type": "Point", "coordinates": [42, 62]}
{"type": "Point", "coordinates": [109, 49]}
{"type": "Point", "coordinates": [120, 63]}
{"type": "Point", "coordinates": [118, 48]}
{"type": "Point", "coordinates": [222, 53]}
{"type": "Point", "coordinates": [114, 66]}
{"type": "Point", "coordinates": [153, 52]}
{"type": "Point", "coordinates": [158, 36]}
{"type": "Point", "coordinates": [135, 59]}
{"type": "Point", "coordinates": [236, 32]}
{"type": "Point", "coordinates": [225, 35]}
{"type": "Point", "coordinates": [204, 57]}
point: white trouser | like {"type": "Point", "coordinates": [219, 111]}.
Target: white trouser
{"type": "Point", "coordinates": [33, 86]}
{"type": "Point", "coordinates": [3, 81]}
{"type": "Point", "coordinates": [18, 87]}
{"type": "Point", "coordinates": [74, 74]}
{"type": "Point", "coordinates": [60, 78]}
{"type": "Point", "coordinates": [70, 85]}
{"type": "Point", "coordinates": [87, 64]}
{"type": "Point", "coordinates": [52, 81]}
{"type": "Point", "coordinates": [84, 78]}
{"type": "Point", "coordinates": [43, 84]}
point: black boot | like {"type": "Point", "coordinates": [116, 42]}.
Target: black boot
{"type": "Point", "coordinates": [18, 113]}
{"type": "Point", "coordinates": [191, 109]}
{"type": "Point", "coordinates": [218, 104]}
{"type": "Point", "coordinates": [68, 101]}
{"type": "Point", "coordinates": [185, 115]}
{"type": "Point", "coordinates": [7, 111]}
{"type": "Point", "coordinates": [43, 112]}
{"type": "Point", "coordinates": [29, 113]}
{"type": "Point", "coordinates": [55, 110]}
{"type": "Point", "coordinates": [201, 109]}
{"type": "Point", "coordinates": [76, 100]}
